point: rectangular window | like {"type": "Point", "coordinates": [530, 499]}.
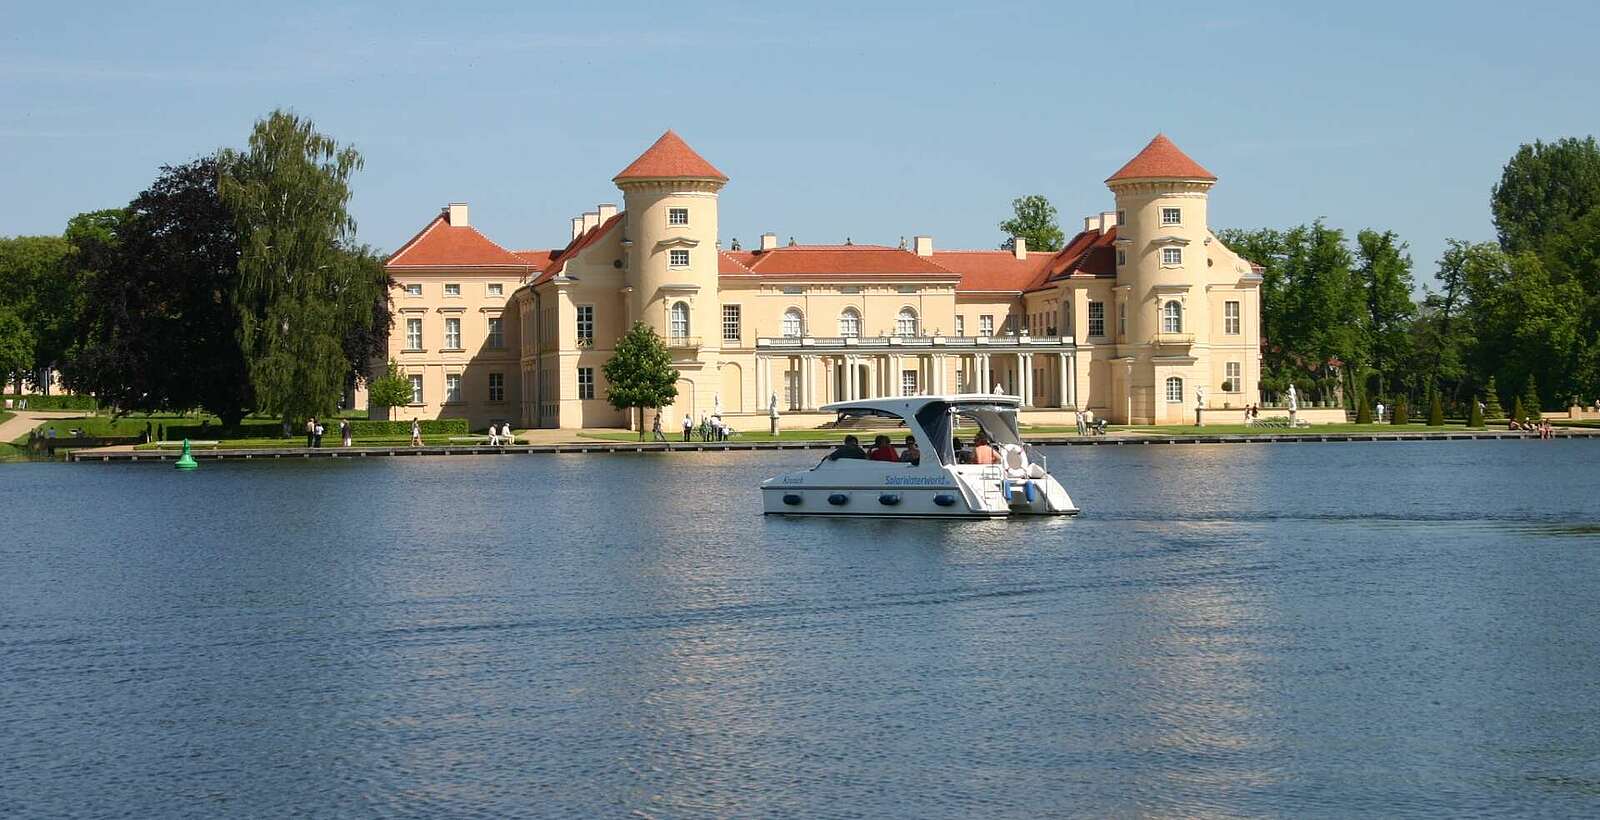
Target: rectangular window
{"type": "Point", "coordinates": [985, 325]}
{"type": "Point", "coordinates": [961, 325]}
{"type": "Point", "coordinates": [497, 336]}
{"type": "Point", "coordinates": [678, 258]}
{"type": "Point", "coordinates": [452, 387]}
{"type": "Point", "coordinates": [497, 387]}
{"type": "Point", "coordinates": [1233, 381]}
{"type": "Point", "coordinates": [1171, 257]}
{"type": "Point", "coordinates": [452, 334]}
{"type": "Point", "coordinates": [908, 382]}
{"type": "Point", "coordinates": [585, 325]}
{"type": "Point", "coordinates": [585, 382]}
{"type": "Point", "coordinates": [1230, 318]}
{"type": "Point", "coordinates": [1122, 217]}
{"type": "Point", "coordinates": [452, 290]}
{"type": "Point", "coordinates": [413, 334]}
{"type": "Point", "coordinates": [1171, 216]}
{"type": "Point", "coordinates": [730, 324]}
{"type": "Point", "coordinates": [416, 389]}
{"type": "Point", "coordinates": [1174, 390]}
{"type": "Point", "coordinates": [494, 289]}
{"type": "Point", "coordinates": [1122, 319]}
{"type": "Point", "coordinates": [1122, 257]}
{"type": "Point", "coordinates": [1097, 318]}
{"type": "Point", "coordinates": [677, 216]}
{"type": "Point", "coordinates": [414, 289]}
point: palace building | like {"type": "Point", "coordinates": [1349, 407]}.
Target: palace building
{"type": "Point", "coordinates": [1142, 317]}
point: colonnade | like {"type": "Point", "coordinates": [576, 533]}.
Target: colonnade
{"type": "Point", "coordinates": [806, 381]}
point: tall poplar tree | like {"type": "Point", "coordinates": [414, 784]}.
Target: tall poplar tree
{"type": "Point", "coordinates": [298, 296]}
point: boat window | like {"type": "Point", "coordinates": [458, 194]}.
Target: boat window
{"type": "Point", "coordinates": [937, 425]}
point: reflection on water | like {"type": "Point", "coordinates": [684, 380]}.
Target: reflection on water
{"type": "Point", "coordinates": [1363, 629]}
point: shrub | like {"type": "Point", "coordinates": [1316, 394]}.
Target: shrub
{"type": "Point", "coordinates": [1530, 400]}
{"type": "Point", "coordinates": [1516, 409]}
{"type": "Point", "coordinates": [1435, 411]}
{"type": "Point", "coordinates": [1474, 414]}
{"type": "Point", "coordinates": [1491, 401]}
{"type": "Point", "coordinates": [87, 403]}
{"type": "Point", "coordinates": [1401, 416]}
{"type": "Point", "coordinates": [400, 428]}
{"type": "Point", "coordinates": [1364, 415]}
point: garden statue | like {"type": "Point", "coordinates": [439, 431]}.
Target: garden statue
{"type": "Point", "coordinates": [1294, 404]}
{"type": "Point", "coordinates": [772, 413]}
{"type": "Point", "coordinates": [1199, 403]}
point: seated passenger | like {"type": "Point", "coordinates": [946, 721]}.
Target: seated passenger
{"type": "Point", "coordinates": [882, 450]}
{"type": "Point", "coordinates": [850, 449]}
{"type": "Point", "coordinates": [912, 455]}
{"type": "Point", "coordinates": [983, 452]}
{"type": "Point", "coordinates": [963, 455]}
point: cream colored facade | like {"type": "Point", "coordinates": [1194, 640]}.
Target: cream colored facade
{"type": "Point", "coordinates": [1142, 309]}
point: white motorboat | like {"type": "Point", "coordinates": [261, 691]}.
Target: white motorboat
{"type": "Point", "coordinates": [943, 484]}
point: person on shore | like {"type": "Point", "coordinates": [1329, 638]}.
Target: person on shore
{"type": "Point", "coordinates": [983, 452]}
{"type": "Point", "coordinates": [688, 426]}
{"type": "Point", "coordinates": [416, 433]}
{"type": "Point", "coordinates": [311, 431]}
{"type": "Point", "coordinates": [344, 432]}
{"type": "Point", "coordinates": [912, 454]}
{"type": "Point", "coordinates": [316, 439]}
{"type": "Point", "coordinates": [882, 450]}
{"type": "Point", "coordinates": [1545, 430]}
{"type": "Point", "coordinates": [494, 434]}
{"type": "Point", "coordinates": [1379, 410]}
{"type": "Point", "coordinates": [1083, 427]}
{"type": "Point", "coordinates": [655, 429]}
{"type": "Point", "coordinates": [851, 448]}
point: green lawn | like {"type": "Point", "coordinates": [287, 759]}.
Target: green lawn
{"type": "Point", "coordinates": [4, 415]}
{"type": "Point", "coordinates": [328, 442]}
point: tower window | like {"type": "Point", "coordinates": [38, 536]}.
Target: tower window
{"type": "Point", "coordinates": [678, 320]}
{"type": "Point", "coordinates": [1172, 317]}
{"type": "Point", "coordinates": [1174, 390]}
{"type": "Point", "coordinates": [1171, 257]}
{"type": "Point", "coordinates": [678, 258]}
{"type": "Point", "coordinates": [1172, 216]}
{"type": "Point", "coordinates": [677, 216]}
{"type": "Point", "coordinates": [1122, 257]}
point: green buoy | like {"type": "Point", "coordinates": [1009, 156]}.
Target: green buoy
{"type": "Point", "coordinates": [186, 461]}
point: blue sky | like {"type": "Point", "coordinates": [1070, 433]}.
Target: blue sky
{"type": "Point", "coordinates": [867, 120]}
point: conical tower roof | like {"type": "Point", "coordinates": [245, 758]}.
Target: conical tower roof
{"type": "Point", "coordinates": [1161, 160]}
{"type": "Point", "coordinates": [670, 158]}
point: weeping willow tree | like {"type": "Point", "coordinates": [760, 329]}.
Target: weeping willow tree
{"type": "Point", "coordinates": [300, 295]}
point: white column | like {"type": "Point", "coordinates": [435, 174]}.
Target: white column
{"type": "Point", "coordinates": [1064, 393]}
{"type": "Point", "coordinates": [938, 373]}
{"type": "Point", "coordinates": [1024, 376]}
{"type": "Point", "coordinates": [805, 382]}
{"type": "Point", "coordinates": [852, 381]}
{"type": "Point", "coordinates": [761, 381]}
{"type": "Point", "coordinates": [985, 378]}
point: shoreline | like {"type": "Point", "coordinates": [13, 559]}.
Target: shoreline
{"type": "Point", "coordinates": [604, 446]}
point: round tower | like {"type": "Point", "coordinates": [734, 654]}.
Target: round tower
{"type": "Point", "coordinates": [670, 199]}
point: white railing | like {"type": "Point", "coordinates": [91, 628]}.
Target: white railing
{"type": "Point", "coordinates": [910, 342]}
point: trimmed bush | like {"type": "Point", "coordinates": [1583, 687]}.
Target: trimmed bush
{"type": "Point", "coordinates": [369, 428]}
{"type": "Point", "coordinates": [1516, 409]}
{"type": "Point", "coordinates": [1401, 415]}
{"type": "Point", "coordinates": [87, 403]}
{"type": "Point", "coordinates": [1474, 414]}
{"type": "Point", "coordinates": [1530, 400]}
{"type": "Point", "coordinates": [1364, 415]}
{"type": "Point", "coordinates": [359, 428]}
{"type": "Point", "coordinates": [1435, 411]}
{"type": "Point", "coordinates": [1491, 401]}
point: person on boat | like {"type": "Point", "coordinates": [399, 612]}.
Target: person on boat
{"type": "Point", "coordinates": [912, 454]}
{"type": "Point", "coordinates": [963, 455]}
{"type": "Point", "coordinates": [882, 450]}
{"type": "Point", "coordinates": [983, 452]}
{"type": "Point", "coordinates": [851, 448]}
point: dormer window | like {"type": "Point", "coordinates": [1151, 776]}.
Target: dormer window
{"type": "Point", "coordinates": [1171, 216]}
{"type": "Point", "coordinates": [677, 216]}
{"type": "Point", "coordinates": [678, 258]}
{"type": "Point", "coordinates": [1171, 257]}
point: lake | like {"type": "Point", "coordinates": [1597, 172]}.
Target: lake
{"type": "Point", "coordinates": [1378, 629]}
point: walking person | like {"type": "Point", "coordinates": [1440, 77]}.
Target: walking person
{"type": "Point", "coordinates": [311, 431]}
{"type": "Point", "coordinates": [344, 432]}
{"type": "Point", "coordinates": [416, 433]}
{"type": "Point", "coordinates": [688, 426]}
{"type": "Point", "coordinates": [655, 429]}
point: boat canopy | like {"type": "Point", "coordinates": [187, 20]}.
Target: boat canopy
{"type": "Point", "coordinates": [935, 417]}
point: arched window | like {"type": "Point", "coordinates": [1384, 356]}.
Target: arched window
{"type": "Point", "coordinates": [1174, 390]}
{"type": "Point", "coordinates": [794, 323]}
{"type": "Point", "coordinates": [906, 323]}
{"type": "Point", "coordinates": [678, 320]}
{"type": "Point", "coordinates": [1172, 317]}
{"type": "Point", "coordinates": [849, 322]}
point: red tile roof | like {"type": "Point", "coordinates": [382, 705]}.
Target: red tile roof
{"type": "Point", "coordinates": [539, 259]}
{"type": "Point", "coordinates": [670, 158]}
{"type": "Point", "coordinates": [989, 271]}
{"type": "Point", "coordinates": [559, 259]}
{"type": "Point", "coordinates": [1161, 160]}
{"type": "Point", "coordinates": [1090, 253]}
{"type": "Point", "coordinates": [442, 245]}
{"type": "Point", "coordinates": [844, 261]}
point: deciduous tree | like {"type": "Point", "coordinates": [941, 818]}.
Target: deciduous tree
{"type": "Point", "coordinates": [1545, 187]}
{"type": "Point", "coordinates": [640, 373]}
{"type": "Point", "coordinates": [1034, 219]}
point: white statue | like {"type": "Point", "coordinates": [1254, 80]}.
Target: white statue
{"type": "Point", "coordinates": [1294, 399]}
{"type": "Point", "coordinates": [1199, 397]}
{"type": "Point", "coordinates": [772, 406]}
{"type": "Point", "coordinates": [716, 405]}
{"type": "Point", "coordinates": [999, 390]}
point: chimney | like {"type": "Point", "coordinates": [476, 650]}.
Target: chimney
{"type": "Point", "coordinates": [1108, 220]}
{"type": "Point", "coordinates": [606, 211]}
{"type": "Point", "coordinates": [577, 227]}
{"type": "Point", "coordinates": [456, 214]}
{"type": "Point", "coordinates": [590, 221]}
{"type": "Point", "coordinates": [1019, 246]}
{"type": "Point", "coordinates": [769, 242]}
{"type": "Point", "coordinates": [1091, 223]}
{"type": "Point", "coordinates": [923, 245]}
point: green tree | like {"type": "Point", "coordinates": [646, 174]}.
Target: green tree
{"type": "Point", "coordinates": [1383, 270]}
{"type": "Point", "coordinates": [1517, 413]}
{"type": "Point", "coordinates": [1491, 401]}
{"type": "Point", "coordinates": [1474, 412]}
{"type": "Point", "coordinates": [640, 373]}
{"type": "Point", "coordinates": [1034, 219]}
{"type": "Point", "coordinates": [1435, 409]}
{"type": "Point", "coordinates": [298, 295]}
{"type": "Point", "coordinates": [392, 389]}
{"type": "Point", "coordinates": [16, 346]}
{"type": "Point", "coordinates": [1525, 322]}
{"type": "Point", "coordinates": [1530, 401]}
{"type": "Point", "coordinates": [1543, 189]}
{"type": "Point", "coordinates": [1402, 415]}
{"type": "Point", "coordinates": [36, 286]}
{"type": "Point", "coordinates": [1364, 412]}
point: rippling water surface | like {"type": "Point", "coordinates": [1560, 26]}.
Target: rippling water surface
{"type": "Point", "coordinates": [1383, 629]}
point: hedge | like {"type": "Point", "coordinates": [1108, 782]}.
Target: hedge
{"type": "Point", "coordinates": [88, 403]}
{"type": "Point", "coordinates": [359, 428]}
